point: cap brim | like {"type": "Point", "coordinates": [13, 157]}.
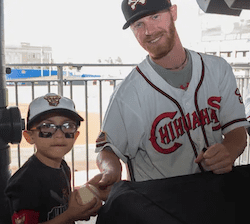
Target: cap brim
{"type": "Point", "coordinates": [68, 113]}
{"type": "Point", "coordinates": [137, 17]}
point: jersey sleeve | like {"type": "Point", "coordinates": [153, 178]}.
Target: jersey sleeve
{"type": "Point", "coordinates": [122, 128]}
{"type": "Point", "coordinates": [22, 192]}
{"type": "Point", "coordinates": [25, 217]}
{"type": "Point", "coordinates": [232, 111]}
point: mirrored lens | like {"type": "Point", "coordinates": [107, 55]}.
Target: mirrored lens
{"type": "Point", "coordinates": [47, 128]}
{"type": "Point", "coordinates": [69, 128]}
{"type": "Point", "coordinates": [52, 128]}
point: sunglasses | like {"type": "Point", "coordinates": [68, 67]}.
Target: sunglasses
{"type": "Point", "coordinates": [46, 130]}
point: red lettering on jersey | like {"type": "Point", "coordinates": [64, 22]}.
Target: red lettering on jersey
{"type": "Point", "coordinates": [214, 116]}
{"type": "Point", "coordinates": [171, 131]}
{"type": "Point", "coordinates": [211, 102]}
{"type": "Point", "coordinates": [215, 120]}
{"type": "Point", "coordinates": [196, 120]}
{"type": "Point", "coordinates": [215, 103]}
{"type": "Point", "coordinates": [164, 135]}
{"type": "Point", "coordinates": [205, 119]}
{"type": "Point", "coordinates": [178, 127]}
{"type": "Point", "coordinates": [189, 127]}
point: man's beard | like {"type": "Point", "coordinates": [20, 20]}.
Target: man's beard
{"type": "Point", "coordinates": [160, 51]}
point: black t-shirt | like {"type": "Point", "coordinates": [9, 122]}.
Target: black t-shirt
{"type": "Point", "coordinates": [38, 187]}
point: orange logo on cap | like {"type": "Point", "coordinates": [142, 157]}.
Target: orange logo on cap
{"type": "Point", "coordinates": [133, 3]}
{"type": "Point", "coordinates": [53, 100]}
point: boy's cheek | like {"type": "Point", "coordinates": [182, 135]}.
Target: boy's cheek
{"type": "Point", "coordinates": [28, 136]}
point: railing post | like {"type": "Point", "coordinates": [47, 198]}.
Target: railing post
{"type": "Point", "coordinates": [60, 78]}
{"type": "Point", "coordinates": [87, 129]}
{"type": "Point", "coordinates": [246, 80]}
{"type": "Point", "coordinates": [100, 97]}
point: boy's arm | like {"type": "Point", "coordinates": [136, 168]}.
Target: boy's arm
{"type": "Point", "coordinates": [74, 212]}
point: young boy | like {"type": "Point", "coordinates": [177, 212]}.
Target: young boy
{"type": "Point", "coordinates": [40, 191]}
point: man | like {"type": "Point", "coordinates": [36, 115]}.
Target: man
{"type": "Point", "coordinates": [177, 113]}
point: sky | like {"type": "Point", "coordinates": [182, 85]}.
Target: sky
{"type": "Point", "coordinates": [83, 31]}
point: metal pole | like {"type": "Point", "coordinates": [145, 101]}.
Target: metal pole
{"type": "Point", "coordinates": [100, 96]}
{"type": "Point", "coordinates": [87, 130]}
{"type": "Point", "coordinates": [41, 61]}
{"type": "Point", "coordinates": [73, 149]}
{"type": "Point", "coordinates": [4, 148]}
{"type": "Point", "coordinates": [3, 90]}
{"type": "Point", "coordinates": [60, 77]}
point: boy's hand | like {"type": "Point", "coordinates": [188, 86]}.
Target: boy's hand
{"type": "Point", "coordinates": [103, 182]}
{"type": "Point", "coordinates": [78, 211]}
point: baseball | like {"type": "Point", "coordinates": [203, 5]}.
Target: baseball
{"type": "Point", "coordinates": [87, 193]}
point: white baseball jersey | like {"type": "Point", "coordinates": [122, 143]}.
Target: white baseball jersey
{"type": "Point", "coordinates": [162, 128]}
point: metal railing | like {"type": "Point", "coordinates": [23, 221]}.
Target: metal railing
{"type": "Point", "coordinates": [84, 83]}
{"type": "Point", "coordinates": [61, 82]}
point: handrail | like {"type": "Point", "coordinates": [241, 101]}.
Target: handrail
{"type": "Point", "coordinates": [72, 65]}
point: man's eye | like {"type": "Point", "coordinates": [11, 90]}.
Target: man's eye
{"type": "Point", "coordinates": [155, 16]}
{"type": "Point", "coordinates": [138, 25]}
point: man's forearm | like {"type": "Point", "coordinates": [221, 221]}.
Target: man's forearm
{"type": "Point", "coordinates": [235, 141]}
{"type": "Point", "coordinates": [107, 161]}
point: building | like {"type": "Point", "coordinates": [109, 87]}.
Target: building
{"type": "Point", "coordinates": [227, 37]}
{"type": "Point", "coordinates": [25, 54]}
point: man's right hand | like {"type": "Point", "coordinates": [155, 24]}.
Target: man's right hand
{"type": "Point", "coordinates": [110, 167]}
{"type": "Point", "coordinates": [104, 182]}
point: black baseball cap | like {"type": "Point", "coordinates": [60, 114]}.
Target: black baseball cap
{"type": "Point", "coordinates": [134, 10]}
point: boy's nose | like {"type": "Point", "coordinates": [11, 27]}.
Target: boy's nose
{"type": "Point", "coordinates": [59, 133]}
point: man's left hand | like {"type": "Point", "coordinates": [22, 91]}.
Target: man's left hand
{"type": "Point", "coordinates": [217, 159]}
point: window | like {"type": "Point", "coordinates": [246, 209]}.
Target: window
{"type": "Point", "coordinates": [226, 54]}
{"type": "Point", "coordinates": [211, 53]}
{"type": "Point", "coordinates": [242, 54]}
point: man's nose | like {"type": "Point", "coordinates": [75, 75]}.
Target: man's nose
{"type": "Point", "coordinates": [150, 28]}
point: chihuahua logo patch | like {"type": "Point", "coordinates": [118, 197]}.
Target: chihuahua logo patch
{"type": "Point", "coordinates": [53, 100]}
{"type": "Point", "coordinates": [134, 3]}
{"type": "Point", "coordinates": [102, 139]}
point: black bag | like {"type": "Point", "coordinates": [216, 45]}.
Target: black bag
{"type": "Point", "coordinates": [203, 198]}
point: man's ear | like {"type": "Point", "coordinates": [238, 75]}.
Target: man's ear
{"type": "Point", "coordinates": [173, 11]}
{"type": "Point", "coordinates": [28, 136]}
{"type": "Point", "coordinates": [76, 135]}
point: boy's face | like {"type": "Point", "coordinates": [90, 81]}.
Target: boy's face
{"type": "Point", "coordinates": [51, 150]}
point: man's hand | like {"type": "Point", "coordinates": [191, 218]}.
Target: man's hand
{"type": "Point", "coordinates": [217, 159]}
{"type": "Point", "coordinates": [103, 182]}
{"type": "Point", "coordinates": [220, 158]}
{"type": "Point", "coordinates": [78, 211]}
{"type": "Point", "coordinates": [110, 168]}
